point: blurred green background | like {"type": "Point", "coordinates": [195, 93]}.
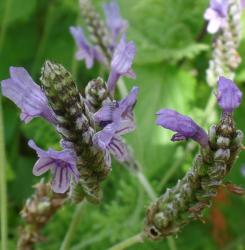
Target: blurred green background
{"type": "Point", "coordinates": [172, 57]}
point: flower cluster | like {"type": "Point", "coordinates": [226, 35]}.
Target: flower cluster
{"type": "Point", "coordinates": [195, 191]}
{"type": "Point", "coordinates": [229, 97]}
{"type": "Point", "coordinates": [72, 117]}
{"type": "Point", "coordinates": [100, 50]}
{"type": "Point", "coordinates": [116, 119]}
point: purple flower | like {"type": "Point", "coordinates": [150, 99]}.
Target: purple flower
{"type": "Point", "coordinates": [114, 20]}
{"type": "Point", "coordinates": [229, 96]}
{"type": "Point", "coordinates": [216, 14]}
{"type": "Point", "coordinates": [121, 62]}
{"type": "Point", "coordinates": [27, 95]}
{"type": "Point", "coordinates": [243, 3]}
{"type": "Point", "coordinates": [85, 50]}
{"type": "Point", "coordinates": [183, 125]}
{"type": "Point", "coordinates": [62, 165]}
{"type": "Point", "coordinates": [115, 119]}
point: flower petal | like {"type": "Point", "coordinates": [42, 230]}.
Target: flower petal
{"type": "Point", "coordinates": [27, 95]}
{"type": "Point", "coordinates": [61, 179]}
{"type": "Point", "coordinates": [121, 62]}
{"type": "Point", "coordinates": [113, 18]}
{"type": "Point", "coordinates": [85, 51]}
{"type": "Point", "coordinates": [118, 149]}
{"type": "Point", "coordinates": [42, 166]}
{"type": "Point", "coordinates": [104, 114]}
{"type": "Point", "coordinates": [229, 96]}
{"type": "Point", "coordinates": [183, 125]}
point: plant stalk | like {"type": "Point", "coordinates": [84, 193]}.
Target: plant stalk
{"type": "Point", "coordinates": [138, 238]}
{"type": "Point", "coordinates": [3, 185]}
{"type": "Point", "coordinates": [73, 226]}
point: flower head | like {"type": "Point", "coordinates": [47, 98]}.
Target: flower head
{"type": "Point", "coordinates": [114, 20]}
{"type": "Point", "coordinates": [27, 95]}
{"type": "Point", "coordinates": [121, 62]}
{"type": "Point", "coordinates": [229, 96]}
{"type": "Point", "coordinates": [62, 165]}
{"type": "Point", "coordinates": [183, 125]}
{"type": "Point", "coordinates": [216, 14]}
{"type": "Point", "coordinates": [115, 119]}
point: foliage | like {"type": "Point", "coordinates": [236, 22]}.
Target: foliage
{"type": "Point", "coordinates": [170, 67]}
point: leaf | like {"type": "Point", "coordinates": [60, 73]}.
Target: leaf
{"type": "Point", "coordinates": [164, 29]}
{"type": "Point", "coordinates": [18, 10]}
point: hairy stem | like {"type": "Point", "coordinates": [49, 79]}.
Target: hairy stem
{"type": "Point", "coordinates": [3, 185]}
{"type": "Point", "coordinates": [73, 226]}
{"type": "Point", "coordinates": [138, 238]}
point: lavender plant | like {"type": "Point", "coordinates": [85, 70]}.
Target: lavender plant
{"type": "Point", "coordinates": [87, 139]}
{"type": "Point", "coordinates": [92, 123]}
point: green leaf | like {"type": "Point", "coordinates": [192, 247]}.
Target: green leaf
{"type": "Point", "coordinates": [164, 29]}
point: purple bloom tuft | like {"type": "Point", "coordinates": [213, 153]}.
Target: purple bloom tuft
{"type": "Point", "coordinates": [183, 125]}
{"type": "Point", "coordinates": [216, 14]}
{"type": "Point", "coordinates": [27, 95]}
{"type": "Point", "coordinates": [121, 62]}
{"type": "Point", "coordinates": [229, 96]}
{"type": "Point", "coordinates": [116, 119]}
{"type": "Point", "coordinates": [62, 165]}
{"type": "Point", "coordinates": [114, 20]}
{"type": "Point", "coordinates": [85, 50]}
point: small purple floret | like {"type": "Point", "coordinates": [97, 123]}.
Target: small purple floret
{"type": "Point", "coordinates": [62, 165]}
{"type": "Point", "coordinates": [27, 95]}
{"type": "Point", "coordinates": [114, 20]}
{"type": "Point", "coordinates": [216, 15]}
{"type": "Point", "coordinates": [183, 125]}
{"type": "Point", "coordinates": [115, 119]}
{"type": "Point", "coordinates": [121, 62]}
{"type": "Point", "coordinates": [84, 50]}
{"type": "Point", "coordinates": [229, 96]}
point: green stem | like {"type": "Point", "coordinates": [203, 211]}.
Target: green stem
{"type": "Point", "coordinates": [4, 25]}
{"type": "Point", "coordinates": [146, 185]}
{"type": "Point", "coordinates": [3, 185]}
{"type": "Point", "coordinates": [74, 62]}
{"type": "Point", "coordinates": [73, 226]}
{"type": "Point", "coordinates": [138, 238]}
{"type": "Point", "coordinates": [49, 20]}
